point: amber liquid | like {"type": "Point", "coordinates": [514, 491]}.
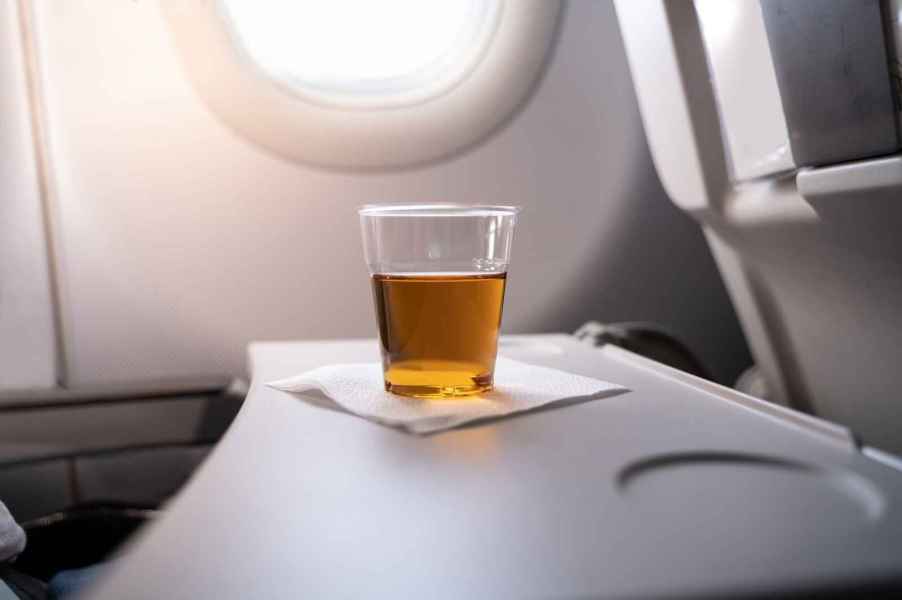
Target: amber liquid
{"type": "Point", "coordinates": [439, 333]}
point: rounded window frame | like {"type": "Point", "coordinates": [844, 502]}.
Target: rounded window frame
{"type": "Point", "coordinates": [440, 82]}
{"type": "Point", "coordinates": [365, 135]}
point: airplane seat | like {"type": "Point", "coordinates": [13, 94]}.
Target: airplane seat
{"type": "Point", "coordinates": [783, 145]}
{"type": "Point", "coordinates": [82, 471]}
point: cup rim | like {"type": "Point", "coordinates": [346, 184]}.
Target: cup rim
{"type": "Point", "coordinates": [444, 209]}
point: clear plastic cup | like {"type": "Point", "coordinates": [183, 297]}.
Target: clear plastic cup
{"type": "Point", "coordinates": [438, 275]}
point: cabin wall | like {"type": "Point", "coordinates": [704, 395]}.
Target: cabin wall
{"type": "Point", "coordinates": [179, 241]}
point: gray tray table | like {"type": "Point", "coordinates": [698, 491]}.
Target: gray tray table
{"type": "Point", "coordinates": [678, 488]}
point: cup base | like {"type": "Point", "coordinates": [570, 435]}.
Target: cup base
{"type": "Point", "coordinates": [434, 392]}
{"type": "Point", "coordinates": [437, 379]}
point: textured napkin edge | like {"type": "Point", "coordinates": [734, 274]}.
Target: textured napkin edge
{"type": "Point", "coordinates": [303, 384]}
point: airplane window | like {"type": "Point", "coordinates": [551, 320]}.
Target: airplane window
{"type": "Point", "coordinates": [363, 52]}
{"type": "Point", "coordinates": [361, 84]}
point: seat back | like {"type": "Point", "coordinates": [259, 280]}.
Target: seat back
{"type": "Point", "coordinates": [807, 247]}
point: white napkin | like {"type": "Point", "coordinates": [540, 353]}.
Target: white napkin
{"type": "Point", "coordinates": [12, 537]}
{"type": "Point", "coordinates": [358, 388]}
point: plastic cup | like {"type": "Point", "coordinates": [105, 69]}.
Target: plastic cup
{"type": "Point", "coordinates": [438, 275]}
